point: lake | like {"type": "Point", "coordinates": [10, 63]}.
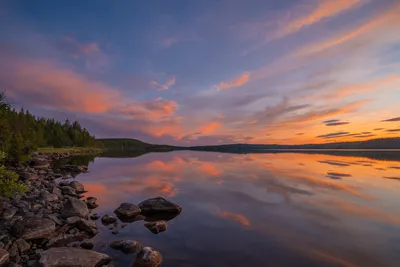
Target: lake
{"type": "Point", "coordinates": [242, 210]}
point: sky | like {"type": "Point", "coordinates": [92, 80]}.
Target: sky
{"type": "Point", "coordinates": [207, 72]}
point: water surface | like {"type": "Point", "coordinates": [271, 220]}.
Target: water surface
{"type": "Point", "coordinates": [278, 210]}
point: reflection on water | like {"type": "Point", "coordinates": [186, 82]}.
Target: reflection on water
{"type": "Point", "coordinates": [285, 209]}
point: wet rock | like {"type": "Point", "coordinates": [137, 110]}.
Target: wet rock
{"type": "Point", "coordinates": [91, 202]}
{"type": "Point", "coordinates": [34, 228]}
{"type": "Point", "coordinates": [157, 227]}
{"type": "Point", "coordinates": [131, 219]}
{"type": "Point", "coordinates": [87, 244]}
{"type": "Point", "coordinates": [72, 257]}
{"type": "Point", "coordinates": [4, 255]}
{"type": "Point", "coordinates": [127, 246]}
{"type": "Point", "coordinates": [127, 210]}
{"type": "Point", "coordinates": [65, 239]}
{"type": "Point", "coordinates": [79, 188]}
{"type": "Point", "coordinates": [74, 207]}
{"type": "Point", "coordinates": [88, 226]}
{"type": "Point", "coordinates": [159, 205]}
{"type": "Point", "coordinates": [46, 196]}
{"type": "Point", "coordinates": [148, 257]}
{"type": "Point", "coordinates": [9, 213]}
{"type": "Point", "coordinates": [94, 217]}
{"type": "Point", "coordinates": [108, 219]}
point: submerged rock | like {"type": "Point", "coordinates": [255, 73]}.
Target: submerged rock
{"type": "Point", "coordinates": [126, 246]}
{"type": "Point", "coordinates": [148, 257]}
{"type": "Point", "coordinates": [74, 207]}
{"type": "Point", "coordinates": [159, 205]}
{"type": "Point", "coordinates": [157, 227]}
{"type": "Point", "coordinates": [72, 257]}
{"type": "Point", "coordinates": [34, 228]}
{"type": "Point", "coordinates": [127, 210]}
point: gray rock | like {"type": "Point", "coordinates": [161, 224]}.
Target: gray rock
{"type": "Point", "coordinates": [127, 210]}
{"type": "Point", "coordinates": [108, 219]}
{"type": "Point", "coordinates": [34, 228]}
{"type": "Point", "coordinates": [88, 226]}
{"type": "Point", "coordinates": [4, 255]}
{"type": "Point", "coordinates": [87, 244]}
{"type": "Point", "coordinates": [72, 257]}
{"type": "Point", "coordinates": [148, 257]}
{"type": "Point", "coordinates": [65, 239]}
{"type": "Point", "coordinates": [46, 196]}
{"type": "Point", "coordinates": [74, 207]}
{"type": "Point", "coordinates": [126, 246]}
{"type": "Point", "coordinates": [9, 213]}
{"type": "Point", "coordinates": [79, 188]}
{"type": "Point", "coordinates": [91, 202]}
{"type": "Point", "coordinates": [157, 227]}
{"type": "Point", "coordinates": [159, 205]}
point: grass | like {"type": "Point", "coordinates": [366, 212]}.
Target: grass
{"type": "Point", "coordinates": [71, 150]}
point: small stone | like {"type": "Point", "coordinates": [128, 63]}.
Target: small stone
{"type": "Point", "coordinates": [91, 202]}
{"type": "Point", "coordinates": [55, 218]}
{"type": "Point", "coordinates": [148, 257]}
{"type": "Point", "coordinates": [88, 226]}
{"type": "Point", "coordinates": [67, 190]}
{"type": "Point", "coordinates": [157, 227]}
{"type": "Point", "coordinates": [46, 196]}
{"type": "Point", "coordinates": [73, 220]}
{"type": "Point", "coordinates": [108, 219]}
{"type": "Point", "coordinates": [87, 244]}
{"type": "Point", "coordinates": [56, 191]}
{"type": "Point", "coordinates": [21, 245]}
{"type": "Point", "coordinates": [9, 213]}
{"type": "Point", "coordinates": [126, 246]}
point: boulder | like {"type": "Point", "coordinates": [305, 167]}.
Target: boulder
{"type": "Point", "coordinates": [74, 207]}
{"type": "Point", "coordinates": [72, 257]}
{"type": "Point", "coordinates": [91, 202]}
{"type": "Point", "coordinates": [108, 219]}
{"type": "Point", "coordinates": [127, 210]}
{"type": "Point", "coordinates": [157, 227]}
{"type": "Point", "coordinates": [148, 257]}
{"type": "Point", "coordinates": [79, 188]}
{"type": "Point", "coordinates": [88, 226]}
{"type": "Point", "coordinates": [34, 228]}
{"type": "Point", "coordinates": [87, 244]}
{"type": "Point", "coordinates": [126, 246]}
{"type": "Point", "coordinates": [65, 239]}
{"type": "Point", "coordinates": [159, 205]}
{"type": "Point", "coordinates": [3, 256]}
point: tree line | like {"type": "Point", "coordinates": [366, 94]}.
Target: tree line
{"type": "Point", "coordinates": [22, 133]}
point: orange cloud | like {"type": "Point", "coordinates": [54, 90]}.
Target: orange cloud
{"type": "Point", "coordinates": [239, 218]}
{"type": "Point", "coordinates": [210, 127]}
{"type": "Point", "coordinates": [238, 81]}
{"type": "Point", "coordinates": [171, 81]}
{"type": "Point", "coordinates": [324, 9]}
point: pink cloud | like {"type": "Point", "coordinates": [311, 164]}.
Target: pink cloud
{"type": "Point", "coordinates": [236, 82]}
{"type": "Point", "coordinates": [171, 81]}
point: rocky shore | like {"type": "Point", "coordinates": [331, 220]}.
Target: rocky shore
{"type": "Point", "coordinates": [52, 224]}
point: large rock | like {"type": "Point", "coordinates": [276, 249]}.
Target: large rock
{"type": "Point", "coordinates": [126, 246]}
{"type": "Point", "coordinates": [79, 188]}
{"type": "Point", "coordinates": [127, 210]}
{"type": "Point", "coordinates": [3, 256]}
{"type": "Point", "coordinates": [74, 207]}
{"type": "Point", "coordinates": [34, 228]}
{"type": "Point", "coordinates": [64, 239]}
{"type": "Point", "coordinates": [72, 257]}
{"type": "Point", "coordinates": [157, 227]}
{"type": "Point", "coordinates": [148, 257]}
{"type": "Point", "coordinates": [159, 205]}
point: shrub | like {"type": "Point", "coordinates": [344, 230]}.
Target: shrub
{"type": "Point", "coordinates": [9, 184]}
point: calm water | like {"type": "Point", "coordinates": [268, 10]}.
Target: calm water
{"type": "Point", "coordinates": [278, 210]}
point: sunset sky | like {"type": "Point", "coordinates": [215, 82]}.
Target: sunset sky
{"type": "Point", "coordinates": [207, 72]}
